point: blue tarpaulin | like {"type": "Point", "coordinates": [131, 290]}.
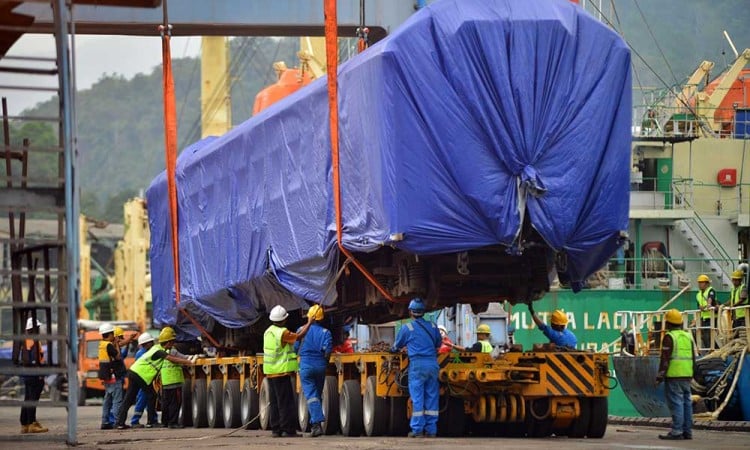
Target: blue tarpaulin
{"type": "Point", "coordinates": [471, 115]}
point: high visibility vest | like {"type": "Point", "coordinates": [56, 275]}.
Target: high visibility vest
{"type": "Point", "coordinates": [702, 298]}
{"type": "Point", "coordinates": [277, 358]}
{"type": "Point", "coordinates": [681, 360]}
{"type": "Point", "coordinates": [171, 373]}
{"type": "Point", "coordinates": [145, 368]}
{"type": "Point", "coordinates": [735, 300]}
{"type": "Point", "coordinates": [107, 365]}
{"type": "Point", "coordinates": [486, 346]}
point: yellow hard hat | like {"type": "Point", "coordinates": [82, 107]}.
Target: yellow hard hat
{"type": "Point", "coordinates": [119, 332]}
{"type": "Point", "coordinates": [483, 329]}
{"type": "Point", "coordinates": [674, 317]}
{"type": "Point", "coordinates": [559, 318]}
{"type": "Point", "coordinates": [738, 275]}
{"type": "Point", "coordinates": [703, 279]}
{"type": "Point", "coordinates": [316, 312]}
{"type": "Point", "coordinates": [167, 334]}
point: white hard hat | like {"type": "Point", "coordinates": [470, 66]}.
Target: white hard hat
{"type": "Point", "coordinates": [145, 338]}
{"type": "Point", "coordinates": [442, 328]}
{"type": "Point", "coordinates": [106, 328]}
{"type": "Point", "coordinates": [30, 323]}
{"type": "Point", "coordinates": [278, 313]}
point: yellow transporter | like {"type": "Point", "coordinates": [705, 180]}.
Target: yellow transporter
{"type": "Point", "coordinates": [519, 394]}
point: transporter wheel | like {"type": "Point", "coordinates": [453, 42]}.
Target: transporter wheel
{"type": "Point", "coordinates": [265, 404]}
{"type": "Point", "coordinates": [249, 406]}
{"type": "Point", "coordinates": [82, 392]}
{"type": "Point", "coordinates": [599, 417]}
{"type": "Point", "coordinates": [398, 422]}
{"type": "Point", "coordinates": [186, 408]}
{"type": "Point", "coordinates": [538, 428]}
{"type": "Point", "coordinates": [580, 426]}
{"type": "Point", "coordinates": [303, 414]}
{"type": "Point", "coordinates": [350, 409]}
{"type": "Point", "coordinates": [374, 410]}
{"type": "Point", "coordinates": [330, 403]}
{"type": "Point", "coordinates": [215, 404]}
{"type": "Point", "coordinates": [199, 404]}
{"type": "Point", "coordinates": [452, 418]}
{"type": "Point", "coordinates": [232, 400]}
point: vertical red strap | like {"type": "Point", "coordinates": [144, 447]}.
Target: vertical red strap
{"type": "Point", "coordinates": [170, 151]}
{"type": "Point", "coordinates": [332, 64]}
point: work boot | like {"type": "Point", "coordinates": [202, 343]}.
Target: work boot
{"type": "Point", "coordinates": [687, 436]}
{"type": "Point", "coordinates": [106, 426]}
{"type": "Point", "coordinates": [37, 428]}
{"type": "Point", "coordinates": [412, 434]}
{"type": "Point", "coordinates": [671, 437]}
{"type": "Point", "coordinates": [316, 430]}
{"type": "Point", "coordinates": [24, 429]}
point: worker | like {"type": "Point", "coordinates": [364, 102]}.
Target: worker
{"type": "Point", "coordinates": [676, 370]}
{"type": "Point", "coordinates": [738, 297]}
{"type": "Point", "coordinates": [172, 380]}
{"type": "Point", "coordinates": [314, 351]}
{"type": "Point", "coordinates": [145, 342]}
{"type": "Point", "coordinates": [482, 345]}
{"type": "Point", "coordinates": [121, 345]}
{"type": "Point", "coordinates": [346, 346]}
{"type": "Point", "coordinates": [112, 373]}
{"type": "Point", "coordinates": [445, 344]}
{"type": "Point", "coordinates": [706, 298]}
{"type": "Point", "coordinates": [31, 355]}
{"type": "Point", "coordinates": [142, 374]}
{"type": "Point", "coordinates": [422, 340]}
{"type": "Point", "coordinates": [558, 333]}
{"type": "Point", "coordinates": [279, 364]}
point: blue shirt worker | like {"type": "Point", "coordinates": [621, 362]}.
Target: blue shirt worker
{"type": "Point", "coordinates": [422, 340]}
{"type": "Point", "coordinates": [558, 333]}
{"type": "Point", "coordinates": [676, 369]}
{"type": "Point", "coordinates": [314, 351]}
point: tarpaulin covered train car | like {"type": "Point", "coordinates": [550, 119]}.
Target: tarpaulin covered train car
{"type": "Point", "coordinates": [483, 145]}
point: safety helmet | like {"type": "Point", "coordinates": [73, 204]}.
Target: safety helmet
{"type": "Point", "coordinates": [738, 275]}
{"type": "Point", "coordinates": [145, 338]}
{"type": "Point", "coordinates": [119, 332]}
{"type": "Point", "coordinates": [316, 312]}
{"type": "Point", "coordinates": [278, 313]}
{"type": "Point", "coordinates": [30, 323]}
{"type": "Point", "coordinates": [703, 279]}
{"type": "Point", "coordinates": [442, 329]}
{"type": "Point", "coordinates": [416, 305]}
{"type": "Point", "coordinates": [674, 317]}
{"type": "Point", "coordinates": [483, 329]}
{"type": "Point", "coordinates": [559, 318]}
{"type": "Point", "coordinates": [106, 328]}
{"type": "Point", "coordinates": [167, 334]}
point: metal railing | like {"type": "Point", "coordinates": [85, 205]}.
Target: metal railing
{"type": "Point", "coordinates": [661, 118]}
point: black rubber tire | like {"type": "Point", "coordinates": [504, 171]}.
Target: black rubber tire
{"type": "Point", "coordinates": [580, 426]}
{"type": "Point", "coordinates": [199, 403]}
{"type": "Point", "coordinates": [330, 403]}
{"type": "Point", "coordinates": [452, 418]}
{"type": "Point", "coordinates": [82, 392]}
{"type": "Point", "coordinates": [265, 404]}
{"type": "Point", "coordinates": [350, 409]}
{"type": "Point", "coordinates": [534, 427]}
{"type": "Point", "coordinates": [374, 410]}
{"type": "Point", "coordinates": [398, 422]}
{"type": "Point", "coordinates": [599, 418]}
{"type": "Point", "coordinates": [303, 414]}
{"type": "Point", "coordinates": [249, 406]}
{"type": "Point", "coordinates": [215, 403]}
{"type": "Point", "coordinates": [186, 407]}
{"type": "Point", "coordinates": [231, 404]}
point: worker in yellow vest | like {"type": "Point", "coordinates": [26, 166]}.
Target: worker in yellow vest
{"type": "Point", "coordinates": [142, 374]}
{"type": "Point", "coordinates": [483, 341]}
{"type": "Point", "coordinates": [676, 370]}
{"type": "Point", "coordinates": [738, 297]}
{"type": "Point", "coordinates": [279, 364]}
{"type": "Point", "coordinates": [112, 373]}
{"type": "Point", "coordinates": [706, 299]}
{"type": "Point", "coordinates": [172, 379]}
{"type": "Point", "coordinates": [31, 354]}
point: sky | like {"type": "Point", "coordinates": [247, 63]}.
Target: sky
{"type": "Point", "coordinates": [95, 56]}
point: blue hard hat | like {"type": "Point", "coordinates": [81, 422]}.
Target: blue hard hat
{"type": "Point", "coordinates": [416, 305]}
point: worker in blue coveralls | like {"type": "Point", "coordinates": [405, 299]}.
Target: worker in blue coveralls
{"type": "Point", "coordinates": [422, 340]}
{"type": "Point", "coordinates": [558, 333]}
{"type": "Point", "coordinates": [314, 350]}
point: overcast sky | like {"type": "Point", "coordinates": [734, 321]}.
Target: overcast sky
{"type": "Point", "coordinates": [94, 55]}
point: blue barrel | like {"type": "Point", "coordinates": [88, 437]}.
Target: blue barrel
{"type": "Point", "coordinates": [743, 385]}
{"type": "Point", "coordinates": [742, 124]}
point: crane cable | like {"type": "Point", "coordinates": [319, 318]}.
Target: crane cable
{"type": "Point", "coordinates": [170, 151]}
{"type": "Point", "coordinates": [332, 53]}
